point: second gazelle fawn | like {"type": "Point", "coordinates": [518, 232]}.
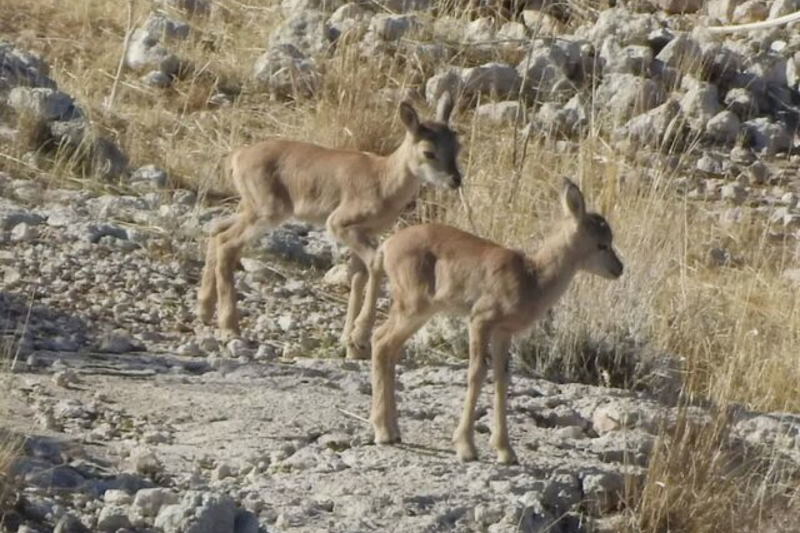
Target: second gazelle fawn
{"type": "Point", "coordinates": [355, 194]}
{"type": "Point", "coordinates": [433, 268]}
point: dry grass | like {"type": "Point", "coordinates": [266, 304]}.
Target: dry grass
{"type": "Point", "coordinates": [735, 328]}
{"type": "Point", "coordinates": [698, 481]}
{"type": "Point", "coordinates": [9, 450]}
{"type": "Point", "coordinates": [10, 443]}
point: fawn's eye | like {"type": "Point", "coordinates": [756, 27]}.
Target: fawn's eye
{"type": "Point", "coordinates": [429, 155]}
{"type": "Point", "coordinates": [602, 247]}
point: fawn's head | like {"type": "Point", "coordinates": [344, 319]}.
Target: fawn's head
{"type": "Point", "coordinates": [592, 238]}
{"type": "Point", "coordinates": [435, 146]}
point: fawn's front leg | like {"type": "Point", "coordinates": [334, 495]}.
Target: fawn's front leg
{"type": "Point", "coordinates": [387, 348]}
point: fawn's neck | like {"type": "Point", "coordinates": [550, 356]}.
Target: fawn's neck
{"type": "Point", "coordinates": [398, 180]}
{"type": "Point", "coordinates": [555, 263]}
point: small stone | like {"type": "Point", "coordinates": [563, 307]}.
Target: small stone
{"type": "Point", "coordinates": [791, 221]}
{"type": "Point", "coordinates": [286, 71]}
{"type": "Point", "coordinates": [710, 165]}
{"type": "Point", "coordinates": [10, 220]}
{"type": "Point", "coordinates": [700, 104]}
{"type": "Point", "coordinates": [723, 127]}
{"type": "Point", "coordinates": [603, 490]}
{"type": "Point", "coordinates": [148, 501]}
{"type": "Point", "coordinates": [679, 6]}
{"type": "Point", "coordinates": [220, 99]}
{"type": "Point", "coordinates": [72, 409]}
{"type": "Point", "coordinates": [265, 352]}
{"type": "Point", "coordinates": [198, 512]}
{"type": "Point", "coordinates": [223, 470]}
{"type": "Point", "coordinates": [611, 417]}
{"type": "Point", "coordinates": [448, 81]}
{"type": "Point", "coordinates": [119, 341]}
{"type": "Point", "coordinates": [570, 432]}
{"type": "Point", "coordinates": [95, 232]}
{"type": "Point", "coordinates": [209, 344]}
{"type": "Point", "coordinates": [768, 136]}
{"type": "Point", "coordinates": [117, 497]}
{"type": "Point", "coordinates": [487, 514]}
{"type": "Point", "coordinates": [238, 348]}
{"type": "Point", "coordinates": [337, 276]}
{"type": "Point", "coordinates": [190, 349]}
{"type": "Point", "coordinates": [742, 156]}
{"type": "Point", "coordinates": [147, 50]}
{"type": "Point", "coordinates": [144, 461]}
{"type": "Point", "coordinates": [501, 112]}
{"type": "Point", "coordinates": [750, 11]}
{"type": "Point", "coordinates": [792, 275]}
{"type": "Point", "coordinates": [65, 378]}
{"type": "Point", "coordinates": [491, 78]}
{"type": "Point", "coordinates": [23, 232]}
{"type": "Point", "coordinates": [157, 78]}
{"type": "Point", "coordinates": [758, 172]}
{"type": "Point", "coordinates": [388, 27]}
{"type": "Point", "coordinates": [347, 18]}
{"type": "Point", "coordinates": [157, 437]}
{"type": "Point", "coordinates": [789, 199]}
{"type": "Point", "coordinates": [44, 103]}
{"type": "Point", "coordinates": [512, 31]}
{"type": "Point", "coordinates": [113, 518]}
{"type": "Point", "coordinates": [734, 193]}
{"type": "Point", "coordinates": [69, 523]}
{"type": "Point", "coordinates": [292, 350]}
{"type": "Point", "coordinates": [149, 176]}
{"type": "Point", "coordinates": [11, 276]}
{"type": "Point", "coordinates": [184, 197]}
{"type": "Point", "coordinates": [285, 321]}
{"type": "Point", "coordinates": [742, 102]}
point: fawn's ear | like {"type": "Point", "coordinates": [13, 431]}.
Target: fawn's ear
{"type": "Point", "coordinates": [444, 108]}
{"type": "Point", "coordinates": [410, 118]}
{"type": "Point", "coordinates": [572, 200]}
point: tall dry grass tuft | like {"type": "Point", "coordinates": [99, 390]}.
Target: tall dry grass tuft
{"type": "Point", "coordinates": [10, 444]}
{"type": "Point", "coordinates": [699, 481]}
{"type": "Point", "coordinates": [9, 449]}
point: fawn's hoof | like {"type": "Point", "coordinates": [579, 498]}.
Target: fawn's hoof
{"type": "Point", "coordinates": [205, 314]}
{"type": "Point", "coordinates": [385, 437]}
{"type": "Point", "coordinates": [357, 350]}
{"type": "Point", "coordinates": [507, 457]}
{"type": "Point", "coordinates": [466, 451]}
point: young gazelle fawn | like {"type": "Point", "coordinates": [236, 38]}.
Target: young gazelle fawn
{"type": "Point", "coordinates": [433, 268]}
{"type": "Point", "coordinates": [355, 194]}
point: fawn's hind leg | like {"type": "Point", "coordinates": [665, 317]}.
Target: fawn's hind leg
{"type": "Point", "coordinates": [207, 294]}
{"type": "Point", "coordinates": [463, 437]}
{"type": "Point", "coordinates": [499, 348]}
{"type": "Point", "coordinates": [358, 279]}
{"type": "Point", "coordinates": [229, 247]}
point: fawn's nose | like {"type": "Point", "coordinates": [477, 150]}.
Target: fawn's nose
{"type": "Point", "coordinates": [619, 268]}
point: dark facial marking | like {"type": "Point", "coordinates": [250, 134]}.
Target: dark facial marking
{"type": "Point", "coordinates": [599, 227]}
{"type": "Point", "coordinates": [444, 141]}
